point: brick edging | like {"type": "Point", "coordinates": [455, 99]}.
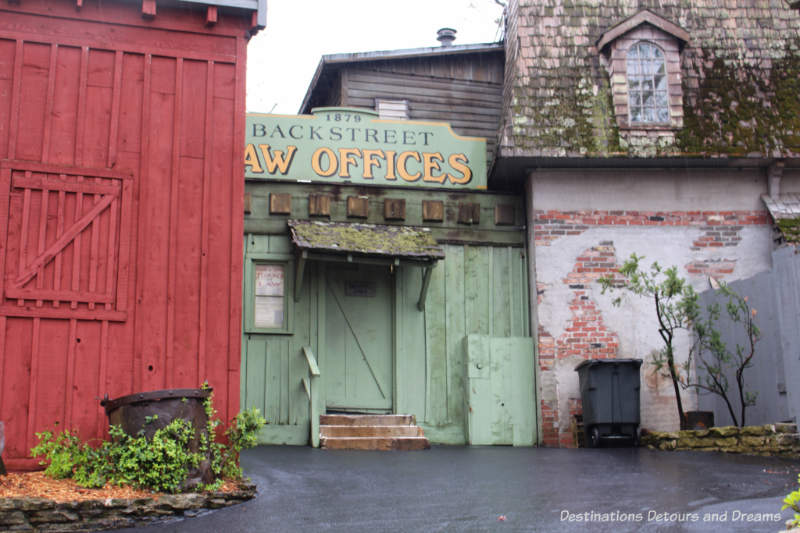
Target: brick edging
{"type": "Point", "coordinates": [35, 514]}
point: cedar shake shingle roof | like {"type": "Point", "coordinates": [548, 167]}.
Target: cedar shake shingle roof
{"type": "Point", "coordinates": [739, 75]}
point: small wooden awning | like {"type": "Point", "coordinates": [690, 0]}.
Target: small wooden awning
{"type": "Point", "coordinates": [364, 243]}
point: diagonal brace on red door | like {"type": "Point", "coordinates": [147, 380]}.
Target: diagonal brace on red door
{"type": "Point", "coordinates": [62, 242]}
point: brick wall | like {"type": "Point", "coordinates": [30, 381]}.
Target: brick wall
{"type": "Point", "coordinates": [573, 317]}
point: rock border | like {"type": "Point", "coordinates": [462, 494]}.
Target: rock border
{"type": "Point", "coordinates": [781, 440]}
{"type": "Point", "coordinates": [41, 514]}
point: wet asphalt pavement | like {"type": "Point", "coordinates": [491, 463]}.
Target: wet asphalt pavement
{"type": "Point", "coordinates": [499, 489]}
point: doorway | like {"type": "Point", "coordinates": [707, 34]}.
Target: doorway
{"type": "Point", "coordinates": [358, 350]}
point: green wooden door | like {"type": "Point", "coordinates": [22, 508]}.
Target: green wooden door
{"type": "Point", "coordinates": [501, 402]}
{"type": "Point", "coordinates": [358, 337]}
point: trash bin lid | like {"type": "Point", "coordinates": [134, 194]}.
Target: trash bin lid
{"type": "Point", "coordinates": [593, 362]}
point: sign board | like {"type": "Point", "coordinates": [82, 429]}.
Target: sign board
{"type": "Point", "coordinates": [269, 302]}
{"type": "Point", "coordinates": [355, 147]}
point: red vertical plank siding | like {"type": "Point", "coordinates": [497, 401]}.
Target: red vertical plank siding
{"type": "Point", "coordinates": [51, 365]}
{"type": "Point", "coordinates": [221, 266]}
{"type": "Point", "coordinates": [154, 245]}
{"type": "Point", "coordinates": [16, 85]}
{"type": "Point", "coordinates": [7, 49]}
{"type": "Point", "coordinates": [171, 230]}
{"type": "Point", "coordinates": [16, 383]}
{"type": "Point", "coordinates": [63, 120]}
{"type": "Point", "coordinates": [97, 119]}
{"type": "Point", "coordinates": [204, 223]}
{"type": "Point", "coordinates": [85, 407]}
{"type": "Point", "coordinates": [33, 100]}
{"type": "Point", "coordinates": [189, 210]}
{"type": "Point", "coordinates": [186, 321]}
{"type": "Point", "coordinates": [129, 136]}
{"type": "Point", "coordinates": [121, 184]}
{"type": "Point", "coordinates": [237, 223]}
{"type": "Point", "coordinates": [49, 101]}
{"type": "Point", "coordinates": [140, 375]}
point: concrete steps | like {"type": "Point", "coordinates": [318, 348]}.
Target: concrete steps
{"type": "Point", "coordinates": [371, 432]}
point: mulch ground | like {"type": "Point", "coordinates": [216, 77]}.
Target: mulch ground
{"type": "Point", "coordinates": [37, 485]}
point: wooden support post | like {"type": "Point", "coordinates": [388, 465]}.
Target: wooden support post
{"type": "Point", "coordinates": [312, 390]}
{"type": "Point", "coordinates": [426, 280]}
{"type": "Point", "coordinates": [312, 362]}
{"type": "Point", "coordinates": [298, 278]}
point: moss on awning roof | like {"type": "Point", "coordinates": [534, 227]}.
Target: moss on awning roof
{"type": "Point", "coordinates": [367, 239]}
{"type": "Point", "coordinates": [785, 211]}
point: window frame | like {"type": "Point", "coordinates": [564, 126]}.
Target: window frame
{"type": "Point", "coordinates": [251, 262]}
{"type": "Point", "coordinates": [642, 78]}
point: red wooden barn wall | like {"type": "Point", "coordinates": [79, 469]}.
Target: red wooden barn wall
{"type": "Point", "coordinates": [120, 210]}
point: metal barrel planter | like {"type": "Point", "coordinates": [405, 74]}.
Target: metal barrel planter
{"type": "Point", "coordinates": [148, 412]}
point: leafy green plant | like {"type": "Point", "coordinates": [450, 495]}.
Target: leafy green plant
{"type": "Point", "coordinates": [676, 306]}
{"type": "Point", "coordinates": [792, 501]}
{"type": "Point", "coordinates": [242, 434]}
{"type": "Point", "coordinates": [62, 452]}
{"type": "Point", "coordinates": [159, 463]}
{"type": "Point", "coordinates": [711, 354]}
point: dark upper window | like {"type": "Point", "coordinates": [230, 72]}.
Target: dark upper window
{"type": "Point", "coordinates": [647, 84]}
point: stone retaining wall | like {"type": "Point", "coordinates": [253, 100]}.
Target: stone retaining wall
{"type": "Point", "coordinates": [38, 514]}
{"type": "Point", "coordinates": [771, 439]}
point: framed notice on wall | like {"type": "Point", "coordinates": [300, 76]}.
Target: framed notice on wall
{"type": "Point", "coordinates": [270, 286]}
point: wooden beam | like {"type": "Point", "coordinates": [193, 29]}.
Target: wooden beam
{"type": "Point", "coordinates": [148, 9]}
{"type": "Point", "coordinates": [423, 293]}
{"type": "Point", "coordinates": [312, 391]}
{"type": "Point", "coordinates": [298, 278]}
{"type": "Point", "coordinates": [311, 360]}
{"type": "Point", "coordinates": [211, 15]}
{"type": "Point", "coordinates": [369, 260]}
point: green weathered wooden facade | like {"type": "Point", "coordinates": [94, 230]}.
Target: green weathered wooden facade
{"type": "Point", "coordinates": [464, 366]}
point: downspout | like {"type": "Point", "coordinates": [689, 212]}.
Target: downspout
{"type": "Point", "coordinates": [533, 299]}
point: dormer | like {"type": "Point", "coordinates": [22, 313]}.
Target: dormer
{"type": "Point", "coordinates": [642, 55]}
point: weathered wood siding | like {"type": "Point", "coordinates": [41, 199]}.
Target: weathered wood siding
{"type": "Point", "coordinates": [479, 288]}
{"type": "Point", "coordinates": [464, 90]}
{"type": "Point", "coordinates": [120, 207]}
{"type": "Point", "coordinates": [476, 289]}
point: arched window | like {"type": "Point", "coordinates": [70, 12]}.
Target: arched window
{"type": "Point", "coordinates": [647, 84]}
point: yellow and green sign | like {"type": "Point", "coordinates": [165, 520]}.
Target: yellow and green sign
{"type": "Point", "coordinates": [355, 147]}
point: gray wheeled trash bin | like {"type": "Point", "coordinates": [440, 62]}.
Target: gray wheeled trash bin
{"type": "Point", "coordinates": [610, 396]}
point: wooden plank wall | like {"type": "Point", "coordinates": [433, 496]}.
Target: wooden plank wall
{"type": "Point", "coordinates": [273, 365]}
{"type": "Point", "coordinates": [464, 90]}
{"type": "Point", "coordinates": [475, 290]}
{"type": "Point", "coordinates": [162, 108]}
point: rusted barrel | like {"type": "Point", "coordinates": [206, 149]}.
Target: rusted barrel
{"type": "Point", "coordinates": [151, 411]}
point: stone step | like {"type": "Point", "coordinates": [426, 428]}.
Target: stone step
{"type": "Point", "coordinates": [367, 420]}
{"type": "Point", "coordinates": [375, 443]}
{"type": "Point", "coordinates": [370, 431]}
